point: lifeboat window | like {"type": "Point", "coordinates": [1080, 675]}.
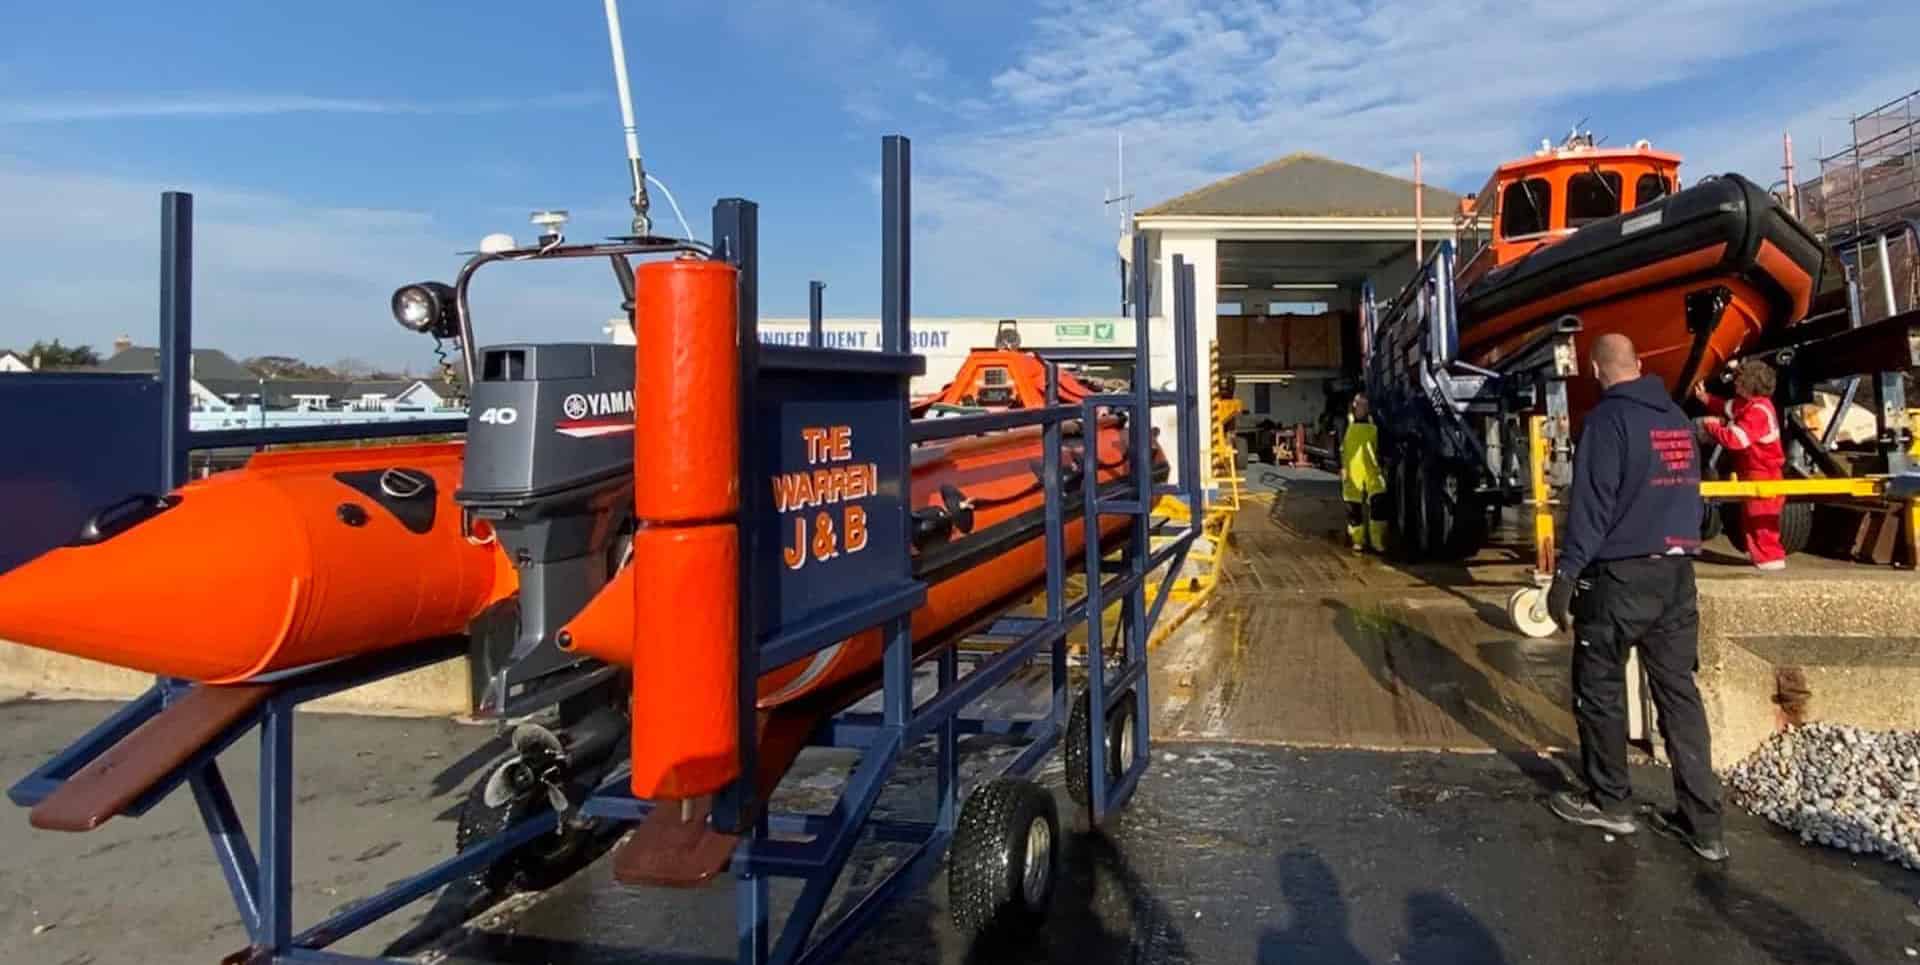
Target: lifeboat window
{"type": "Point", "coordinates": [1591, 196]}
{"type": "Point", "coordinates": [1524, 207]}
{"type": "Point", "coordinates": [1651, 187]}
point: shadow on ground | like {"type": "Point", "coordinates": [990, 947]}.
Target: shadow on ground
{"type": "Point", "coordinates": [1439, 931]}
{"type": "Point", "coordinates": [1408, 659]}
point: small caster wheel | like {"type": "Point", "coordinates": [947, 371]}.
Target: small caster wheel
{"type": "Point", "coordinates": [1003, 861]}
{"type": "Point", "coordinates": [1527, 608]}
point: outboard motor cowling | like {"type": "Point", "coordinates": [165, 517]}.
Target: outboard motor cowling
{"type": "Point", "coordinates": [549, 465]}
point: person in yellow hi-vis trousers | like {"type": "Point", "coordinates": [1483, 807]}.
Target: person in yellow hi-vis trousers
{"type": "Point", "coordinates": [1362, 485]}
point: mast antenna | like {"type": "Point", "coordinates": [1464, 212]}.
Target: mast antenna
{"type": "Point", "coordinates": [1121, 197]}
{"type": "Point", "coordinates": [642, 225]}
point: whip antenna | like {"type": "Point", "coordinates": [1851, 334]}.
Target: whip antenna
{"type": "Point", "coordinates": [642, 225]}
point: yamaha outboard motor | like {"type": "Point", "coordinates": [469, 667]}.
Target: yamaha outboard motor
{"type": "Point", "coordinates": [549, 464]}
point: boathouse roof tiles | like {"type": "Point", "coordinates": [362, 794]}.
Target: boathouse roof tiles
{"type": "Point", "coordinates": [1306, 185]}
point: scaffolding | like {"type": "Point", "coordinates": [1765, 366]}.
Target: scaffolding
{"type": "Point", "coordinates": [1865, 203]}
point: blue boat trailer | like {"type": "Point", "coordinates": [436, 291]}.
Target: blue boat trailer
{"type": "Point", "coordinates": [783, 615]}
{"type": "Point", "coordinates": [1453, 436]}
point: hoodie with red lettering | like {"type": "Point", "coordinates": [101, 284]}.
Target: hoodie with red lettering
{"type": "Point", "coordinates": [1636, 480]}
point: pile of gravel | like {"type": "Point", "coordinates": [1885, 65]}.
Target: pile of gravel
{"type": "Point", "coordinates": [1844, 787]}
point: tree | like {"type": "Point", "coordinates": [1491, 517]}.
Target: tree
{"type": "Point", "coordinates": [53, 355]}
{"type": "Point", "coordinates": [286, 367]}
{"type": "Point", "coordinates": [352, 368]}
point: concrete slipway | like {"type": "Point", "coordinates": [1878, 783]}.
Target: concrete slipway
{"type": "Point", "coordinates": [1351, 768]}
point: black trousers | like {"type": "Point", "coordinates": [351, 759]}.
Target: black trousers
{"type": "Point", "coordinates": [1650, 603]}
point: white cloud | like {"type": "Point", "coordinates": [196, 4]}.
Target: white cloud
{"type": "Point", "coordinates": [1009, 182]}
{"type": "Point", "coordinates": [61, 109]}
{"type": "Point", "coordinates": [877, 73]}
{"type": "Point", "coordinates": [272, 275]}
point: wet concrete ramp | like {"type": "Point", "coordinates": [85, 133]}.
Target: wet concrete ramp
{"type": "Point", "coordinates": [1307, 643]}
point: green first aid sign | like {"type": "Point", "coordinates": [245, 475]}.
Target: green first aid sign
{"type": "Point", "coordinates": [1083, 331]}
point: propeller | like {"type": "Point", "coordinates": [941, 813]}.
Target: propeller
{"type": "Point", "coordinates": [538, 761]}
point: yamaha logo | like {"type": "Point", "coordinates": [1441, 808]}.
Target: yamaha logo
{"type": "Point", "coordinates": [597, 405]}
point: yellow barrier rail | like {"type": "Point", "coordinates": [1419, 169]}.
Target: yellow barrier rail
{"type": "Point", "coordinates": [1850, 487]}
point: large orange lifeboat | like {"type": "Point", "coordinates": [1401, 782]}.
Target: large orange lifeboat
{"type": "Point", "coordinates": [300, 557]}
{"type": "Point", "coordinates": [1694, 277]}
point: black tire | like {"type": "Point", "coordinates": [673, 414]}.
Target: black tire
{"type": "Point", "coordinates": [535, 866]}
{"type": "Point", "coordinates": [998, 886]}
{"type": "Point", "coordinates": [1408, 520]}
{"type": "Point", "coordinates": [1796, 526]}
{"type": "Point", "coordinates": [1079, 775]}
{"type": "Point", "coordinates": [1455, 520]}
{"type": "Point", "coordinates": [1079, 759]}
{"type": "Point", "coordinates": [1712, 520]}
{"type": "Point", "coordinates": [1122, 738]}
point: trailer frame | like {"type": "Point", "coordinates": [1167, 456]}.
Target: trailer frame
{"type": "Point", "coordinates": [261, 885]}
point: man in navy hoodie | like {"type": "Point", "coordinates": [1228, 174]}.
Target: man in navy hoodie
{"type": "Point", "coordinates": [1625, 579]}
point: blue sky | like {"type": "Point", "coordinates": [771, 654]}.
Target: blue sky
{"type": "Point", "coordinates": [340, 149]}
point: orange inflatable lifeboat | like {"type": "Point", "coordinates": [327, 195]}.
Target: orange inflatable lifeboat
{"type": "Point", "coordinates": [671, 616]}
{"type": "Point", "coordinates": [1694, 277]}
{"type": "Point", "coordinates": [300, 557]}
{"type": "Point", "coordinates": [995, 478]}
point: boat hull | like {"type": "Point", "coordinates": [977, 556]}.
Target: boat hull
{"type": "Point", "coordinates": [298, 558]}
{"type": "Point", "coordinates": [1632, 275]}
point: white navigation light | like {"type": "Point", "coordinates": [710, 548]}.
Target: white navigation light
{"type": "Point", "coordinates": [496, 243]}
{"type": "Point", "coordinates": [552, 224]}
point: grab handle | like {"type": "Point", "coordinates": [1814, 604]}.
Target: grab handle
{"type": "Point", "coordinates": [121, 515]}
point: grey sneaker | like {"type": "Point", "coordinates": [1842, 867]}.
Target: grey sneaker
{"type": "Point", "coordinates": [1580, 809]}
{"type": "Point", "coordinates": [1709, 847]}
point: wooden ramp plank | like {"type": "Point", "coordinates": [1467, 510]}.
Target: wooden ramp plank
{"type": "Point", "coordinates": [146, 757]}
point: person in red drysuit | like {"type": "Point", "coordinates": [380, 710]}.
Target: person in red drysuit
{"type": "Point", "coordinates": [1748, 426]}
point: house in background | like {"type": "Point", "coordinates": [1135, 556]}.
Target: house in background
{"type": "Point", "coordinates": [220, 384]}
{"type": "Point", "coordinates": [207, 366]}
{"type": "Point", "coordinates": [11, 361]}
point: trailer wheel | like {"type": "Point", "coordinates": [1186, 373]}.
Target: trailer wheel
{"type": "Point", "coordinates": [1455, 520]}
{"type": "Point", "coordinates": [1122, 738]}
{"type": "Point", "coordinates": [1003, 862]}
{"type": "Point", "coordinates": [1796, 526]}
{"type": "Point", "coordinates": [1408, 521]}
{"type": "Point", "coordinates": [1078, 756]}
{"type": "Point", "coordinates": [1121, 744]}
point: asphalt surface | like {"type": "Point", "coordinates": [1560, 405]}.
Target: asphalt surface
{"type": "Point", "coordinates": [1351, 771]}
{"type": "Point", "coordinates": [1239, 854]}
{"type": "Point", "coordinates": [1229, 853]}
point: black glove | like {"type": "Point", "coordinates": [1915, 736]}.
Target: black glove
{"type": "Point", "coordinates": [1560, 600]}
